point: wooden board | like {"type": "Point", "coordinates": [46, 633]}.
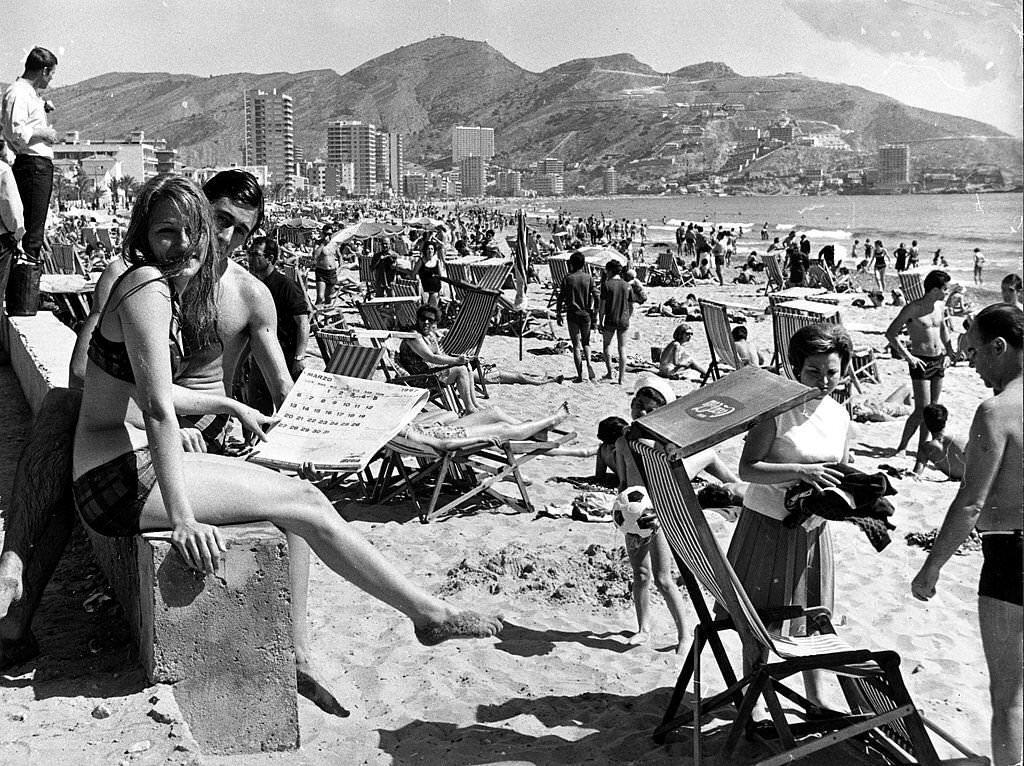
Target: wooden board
{"type": "Point", "coordinates": [718, 411]}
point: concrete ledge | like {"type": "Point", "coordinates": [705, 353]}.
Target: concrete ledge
{"type": "Point", "coordinates": [40, 349]}
{"type": "Point", "coordinates": [224, 642]}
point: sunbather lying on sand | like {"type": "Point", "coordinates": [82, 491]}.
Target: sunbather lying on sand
{"type": "Point", "coordinates": [449, 431]}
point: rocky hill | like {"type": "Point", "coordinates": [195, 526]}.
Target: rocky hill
{"type": "Point", "coordinates": [613, 109]}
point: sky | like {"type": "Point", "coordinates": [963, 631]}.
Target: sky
{"type": "Point", "coordinates": [961, 57]}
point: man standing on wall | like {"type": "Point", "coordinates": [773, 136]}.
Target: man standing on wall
{"type": "Point", "coordinates": [26, 129]}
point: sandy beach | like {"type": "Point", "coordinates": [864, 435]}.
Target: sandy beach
{"type": "Point", "coordinates": [560, 685]}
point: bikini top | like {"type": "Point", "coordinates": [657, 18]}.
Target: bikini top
{"type": "Point", "coordinates": [112, 356]}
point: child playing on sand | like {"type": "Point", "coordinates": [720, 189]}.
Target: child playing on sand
{"type": "Point", "coordinates": [646, 546]}
{"type": "Point", "coordinates": [945, 452]}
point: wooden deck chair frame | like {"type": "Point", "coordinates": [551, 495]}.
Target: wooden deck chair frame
{"type": "Point", "coordinates": [406, 288]}
{"type": "Point", "coordinates": [77, 306]}
{"type": "Point", "coordinates": [786, 321]}
{"type": "Point", "coordinates": [328, 340]}
{"type": "Point", "coordinates": [364, 263]}
{"type": "Point", "coordinates": [819, 276]}
{"type": "Point", "coordinates": [667, 262]}
{"type": "Point", "coordinates": [716, 326]}
{"type": "Point", "coordinates": [496, 462]}
{"type": "Point", "coordinates": [103, 237]}
{"type": "Point", "coordinates": [559, 270]}
{"type": "Point", "coordinates": [389, 313]}
{"type": "Point", "coordinates": [773, 273]}
{"type": "Point", "coordinates": [882, 714]}
{"type": "Point", "coordinates": [469, 328]}
{"type": "Point", "coordinates": [911, 284]}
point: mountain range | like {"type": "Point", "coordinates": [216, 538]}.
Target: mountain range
{"type": "Point", "coordinates": [592, 111]}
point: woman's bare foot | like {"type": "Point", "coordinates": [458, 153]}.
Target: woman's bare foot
{"type": "Point", "coordinates": [315, 691]}
{"type": "Point", "coordinates": [467, 624]}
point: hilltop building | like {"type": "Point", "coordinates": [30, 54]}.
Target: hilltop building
{"type": "Point", "coordinates": [893, 166]}
{"type": "Point", "coordinates": [472, 141]}
{"type": "Point", "coordinates": [270, 135]}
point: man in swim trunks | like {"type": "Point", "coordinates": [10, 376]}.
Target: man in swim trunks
{"type": "Point", "coordinates": [929, 352]}
{"type": "Point", "coordinates": [991, 497]}
{"type": "Point", "coordinates": [37, 534]}
{"type": "Point", "coordinates": [325, 266]}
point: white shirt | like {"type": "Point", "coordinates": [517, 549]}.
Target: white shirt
{"type": "Point", "coordinates": [12, 214]}
{"type": "Point", "coordinates": [23, 113]}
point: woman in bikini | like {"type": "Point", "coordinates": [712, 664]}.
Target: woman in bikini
{"type": "Point", "coordinates": [129, 465]}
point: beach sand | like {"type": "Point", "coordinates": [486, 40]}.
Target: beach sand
{"type": "Point", "coordinates": [561, 684]}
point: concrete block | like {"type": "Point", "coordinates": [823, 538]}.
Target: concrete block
{"type": "Point", "coordinates": [40, 350]}
{"type": "Point", "coordinates": [224, 641]}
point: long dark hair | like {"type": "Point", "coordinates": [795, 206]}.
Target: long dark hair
{"type": "Point", "coordinates": [199, 310]}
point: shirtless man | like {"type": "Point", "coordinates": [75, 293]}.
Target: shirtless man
{"type": "Point", "coordinates": [991, 497]}
{"type": "Point", "coordinates": [245, 315]}
{"type": "Point", "coordinates": [325, 266]}
{"type": "Point", "coordinates": [929, 353]}
{"type": "Point", "coordinates": [947, 452]}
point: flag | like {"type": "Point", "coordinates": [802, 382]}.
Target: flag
{"type": "Point", "coordinates": [520, 262]}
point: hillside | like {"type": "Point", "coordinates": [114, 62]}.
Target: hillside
{"type": "Point", "coordinates": [609, 110]}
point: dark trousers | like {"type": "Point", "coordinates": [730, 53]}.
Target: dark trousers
{"type": "Point", "coordinates": [34, 176]}
{"type": "Point", "coordinates": [8, 254]}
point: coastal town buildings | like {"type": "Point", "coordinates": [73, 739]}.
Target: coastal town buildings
{"type": "Point", "coordinates": [270, 135]}
{"type": "Point", "coordinates": [355, 142]}
{"type": "Point", "coordinates": [473, 174]}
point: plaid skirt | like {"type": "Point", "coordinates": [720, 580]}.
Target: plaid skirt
{"type": "Point", "coordinates": [110, 496]}
{"type": "Point", "coordinates": [779, 566]}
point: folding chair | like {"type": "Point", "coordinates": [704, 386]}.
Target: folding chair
{"type": "Point", "coordinates": [667, 263]}
{"type": "Point", "coordinates": [558, 265]}
{"type": "Point", "coordinates": [389, 313]}
{"type": "Point", "coordinates": [789, 317]}
{"type": "Point", "coordinates": [103, 237]}
{"type": "Point", "coordinates": [773, 271]}
{"type": "Point", "coordinates": [328, 340]}
{"type": "Point", "coordinates": [882, 717]}
{"type": "Point", "coordinates": [493, 462]}
{"type": "Point", "coordinates": [354, 361]}
{"type": "Point", "coordinates": [719, 332]}
{"type": "Point", "coordinates": [469, 328]}
{"type": "Point", "coordinates": [407, 288]}
{"type": "Point", "coordinates": [819, 276]}
{"type": "Point", "coordinates": [365, 264]}
{"type": "Point", "coordinates": [911, 285]}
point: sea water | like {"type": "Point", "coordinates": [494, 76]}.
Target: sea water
{"type": "Point", "coordinates": [956, 223]}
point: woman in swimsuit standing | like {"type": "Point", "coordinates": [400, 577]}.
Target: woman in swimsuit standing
{"type": "Point", "coordinates": [430, 269]}
{"type": "Point", "coordinates": [129, 465]}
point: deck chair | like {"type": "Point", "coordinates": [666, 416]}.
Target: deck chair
{"type": "Point", "coordinates": [389, 313]}
{"type": "Point", "coordinates": [365, 264]}
{"type": "Point", "coordinates": [819, 276]}
{"type": "Point", "coordinates": [882, 716]}
{"type": "Point", "coordinates": [469, 328]}
{"type": "Point", "coordinates": [559, 268]}
{"type": "Point", "coordinates": [354, 360]}
{"type": "Point", "coordinates": [719, 332]}
{"type": "Point", "coordinates": [667, 263]}
{"type": "Point", "coordinates": [74, 308]}
{"type": "Point", "coordinates": [103, 237]}
{"type": "Point", "coordinates": [773, 273]}
{"type": "Point", "coordinates": [911, 285]}
{"type": "Point", "coordinates": [482, 465]}
{"type": "Point", "coordinates": [406, 288]}
{"type": "Point", "coordinates": [789, 317]}
{"type": "Point", "coordinates": [328, 340]}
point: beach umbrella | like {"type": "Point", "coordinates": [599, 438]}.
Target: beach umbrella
{"type": "Point", "coordinates": [602, 255]}
{"type": "Point", "coordinates": [300, 223]}
{"type": "Point", "coordinates": [366, 230]}
{"type": "Point", "coordinates": [423, 223]}
{"type": "Point", "coordinates": [520, 266]}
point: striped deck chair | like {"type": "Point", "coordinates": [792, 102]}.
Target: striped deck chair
{"type": "Point", "coordinates": [469, 328]}
{"type": "Point", "coordinates": [911, 285]}
{"type": "Point", "coordinates": [89, 236]}
{"type": "Point", "coordinates": [881, 719]}
{"type": "Point", "coordinates": [407, 288]}
{"type": "Point", "coordinates": [490, 276]}
{"type": "Point", "coordinates": [72, 308]}
{"type": "Point", "coordinates": [484, 465]}
{"type": "Point", "coordinates": [366, 272]}
{"type": "Point", "coordinates": [667, 262]}
{"type": "Point", "coordinates": [719, 332]}
{"type": "Point", "coordinates": [389, 313]}
{"type": "Point", "coordinates": [328, 340]}
{"type": "Point", "coordinates": [458, 274]}
{"type": "Point", "coordinates": [773, 273]}
{"type": "Point", "coordinates": [789, 317]}
{"type": "Point", "coordinates": [819, 276]}
{"type": "Point", "coordinates": [558, 266]}
{"type": "Point", "coordinates": [354, 360]}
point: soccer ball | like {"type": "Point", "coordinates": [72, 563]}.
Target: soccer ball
{"type": "Point", "coordinates": [629, 505]}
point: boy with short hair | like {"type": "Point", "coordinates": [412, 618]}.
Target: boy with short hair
{"type": "Point", "coordinates": [946, 452]}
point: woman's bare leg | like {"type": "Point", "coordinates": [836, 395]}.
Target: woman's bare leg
{"type": "Point", "coordinates": [709, 462]}
{"type": "Point", "coordinates": [641, 563]}
{"type": "Point", "coordinates": [661, 560]}
{"type": "Point", "coordinates": [495, 428]}
{"type": "Point", "coordinates": [462, 379]}
{"type": "Point", "coordinates": [227, 491]}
